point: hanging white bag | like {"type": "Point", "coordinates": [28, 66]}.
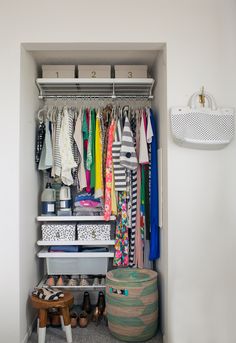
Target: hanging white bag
{"type": "Point", "coordinates": [195, 126]}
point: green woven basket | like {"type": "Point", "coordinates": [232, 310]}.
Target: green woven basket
{"type": "Point", "coordinates": [132, 304]}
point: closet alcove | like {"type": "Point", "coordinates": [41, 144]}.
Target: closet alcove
{"type": "Point", "coordinates": [33, 55]}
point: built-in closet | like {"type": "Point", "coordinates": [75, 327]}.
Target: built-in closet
{"type": "Point", "coordinates": [39, 93]}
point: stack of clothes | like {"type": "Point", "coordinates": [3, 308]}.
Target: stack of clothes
{"type": "Point", "coordinates": [86, 204]}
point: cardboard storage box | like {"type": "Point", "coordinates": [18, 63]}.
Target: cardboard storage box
{"type": "Point", "coordinates": [93, 232]}
{"type": "Point", "coordinates": [94, 71]}
{"type": "Point", "coordinates": [131, 71]}
{"type": "Point", "coordinates": [61, 232]}
{"type": "Point", "coordinates": [58, 71]}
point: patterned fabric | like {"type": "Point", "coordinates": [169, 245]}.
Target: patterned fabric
{"type": "Point", "coordinates": [128, 157]}
{"type": "Point", "coordinates": [56, 153]}
{"type": "Point", "coordinates": [90, 165]}
{"type": "Point", "coordinates": [39, 142]}
{"type": "Point", "coordinates": [133, 198]}
{"type": "Point", "coordinates": [98, 191]}
{"type": "Point", "coordinates": [121, 257]}
{"type": "Point", "coordinates": [109, 172]}
{"type": "Point", "coordinates": [46, 159]}
{"type": "Point", "coordinates": [119, 170]}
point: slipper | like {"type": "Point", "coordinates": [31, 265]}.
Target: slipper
{"type": "Point", "coordinates": [44, 294]}
{"type": "Point", "coordinates": [84, 282]}
{"type": "Point", "coordinates": [55, 291]}
{"type": "Point", "coordinates": [72, 282]}
{"type": "Point", "coordinates": [96, 281]}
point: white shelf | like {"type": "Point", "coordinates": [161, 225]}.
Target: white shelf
{"type": "Point", "coordinates": [72, 218]}
{"type": "Point", "coordinates": [44, 253]}
{"type": "Point", "coordinates": [76, 87]}
{"type": "Point", "coordinates": [77, 287]}
{"type": "Point", "coordinates": [96, 243]}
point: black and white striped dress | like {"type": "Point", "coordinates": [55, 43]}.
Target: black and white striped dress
{"type": "Point", "coordinates": [119, 170]}
{"type": "Point", "coordinates": [133, 198]}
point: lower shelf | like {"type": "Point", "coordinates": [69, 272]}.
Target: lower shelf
{"type": "Point", "coordinates": [74, 288]}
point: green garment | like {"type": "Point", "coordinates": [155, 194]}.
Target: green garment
{"type": "Point", "coordinates": [85, 135]}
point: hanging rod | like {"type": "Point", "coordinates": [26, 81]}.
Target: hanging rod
{"type": "Point", "coordinates": [87, 97]}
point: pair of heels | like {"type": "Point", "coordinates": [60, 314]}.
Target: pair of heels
{"type": "Point", "coordinates": [100, 309]}
{"type": "Point", "coordinates": [81, 319]}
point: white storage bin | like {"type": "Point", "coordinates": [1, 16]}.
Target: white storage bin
{"type": "Point", "coordinates": [94, 71]}
{"type": "Point", "coordinates": [61, 232]}
{"type": "Point", "coordinates": [58, 71]}
{"type": "Point", "coordinates": [93, 232]}
{"type": "Point", "coordinates": [131, 71]}
{"type": "Point", "coordinates": [75, 265]}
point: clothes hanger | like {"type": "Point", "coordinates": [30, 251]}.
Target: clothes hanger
{"type": "Point", "coordinates": [41, 114]}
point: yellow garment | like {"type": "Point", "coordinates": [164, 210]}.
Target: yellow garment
{"type": "Point", "coordinates": [98, 190]}
{"type": "Point", "coordinates": [113, 194]}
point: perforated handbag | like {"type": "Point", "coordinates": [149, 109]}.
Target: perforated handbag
{"type": "Point", "coordinates": [201, 127]}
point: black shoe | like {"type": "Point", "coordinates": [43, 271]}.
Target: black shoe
{"type": "Point", "coordinates": [101, 304]}
{"type": "Point", "coordinates": [86, 303]}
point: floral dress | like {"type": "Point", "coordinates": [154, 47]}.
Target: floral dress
{"type": "Point", "coordinates": [122, 237]}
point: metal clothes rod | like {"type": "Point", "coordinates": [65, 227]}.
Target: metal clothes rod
{"type": "Point", "coordinates": [95, 97]}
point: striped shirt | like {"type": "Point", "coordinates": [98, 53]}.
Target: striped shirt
{"type": "Point", "coordinates": [128, 158]}
{"type": "Point", "coordinates": [119, 170]}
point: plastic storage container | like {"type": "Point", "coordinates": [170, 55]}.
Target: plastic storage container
{"type": "Point", "coordinates": [76, 265]}
{"type": "Point", "coordinates": [131, 71]}
{"type": "Point", "coordinates": [58, 71]}
{"type": "Point", "coordinates": [132, 304]}
{"type": "Point", "coordinates": [94, 71]}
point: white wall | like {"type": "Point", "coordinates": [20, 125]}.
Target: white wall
{"type": "Point", "coordinates": [200, 37]}
{"type": "Point", "coordinates": [29, 179]}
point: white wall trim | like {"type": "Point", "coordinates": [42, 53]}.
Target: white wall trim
{"type": "Point", "coordinates": [29, 331]}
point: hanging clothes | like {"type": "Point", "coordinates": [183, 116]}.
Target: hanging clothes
{"type": "Point", "coordinates": [67, 160]}
{"type": "Point", "coordinates": [121, 257]}
{"type": "Point", "coordinates": [119, 170]}
{"type": "Point", "coordinates": [109, 172]}
{"type": "Point", "coordinates": [143, 151]}
{"type": "Point", "coordinates": [40, 135]}
{"type": "Point", "coordinates": [154, 211]}
{"type": "Point", "coordinates": [128, 157]}
{"type": "Point", "coordinates": [46, 158]}
{"type": "Point", "coordinates": [138, 239]}
{"type": "Point", "coordinates": [56, 153]}
{"type": "Point", "coordinates": [133, 197]}
{"type": "Point", "coordinates": [78, 137]}
{"type": "Point", "coordinates": [98, 191]}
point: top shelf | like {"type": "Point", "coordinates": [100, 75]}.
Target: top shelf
{"type": "Point", "coordinates": [110, 88]}
{"type": "Point", "coordinates": [72, 218]}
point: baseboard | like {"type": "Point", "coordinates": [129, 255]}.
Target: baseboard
{"type": "Point", "coordinates": [29, 331]}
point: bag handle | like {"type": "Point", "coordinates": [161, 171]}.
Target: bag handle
{"type": "Point", "coordinates": [210, 99]}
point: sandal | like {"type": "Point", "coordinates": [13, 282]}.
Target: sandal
{"type": "Point", "coordinates": [44, 294]}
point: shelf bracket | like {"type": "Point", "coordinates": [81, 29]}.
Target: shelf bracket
{"type": "Point", "coordinates": [113, 91]}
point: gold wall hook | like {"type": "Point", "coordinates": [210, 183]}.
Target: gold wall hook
{"type": "Point", "coordinates": [202, 97]}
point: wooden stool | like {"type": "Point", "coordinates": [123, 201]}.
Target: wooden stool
{"type": "Point", "coordinates": [62, 304]}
